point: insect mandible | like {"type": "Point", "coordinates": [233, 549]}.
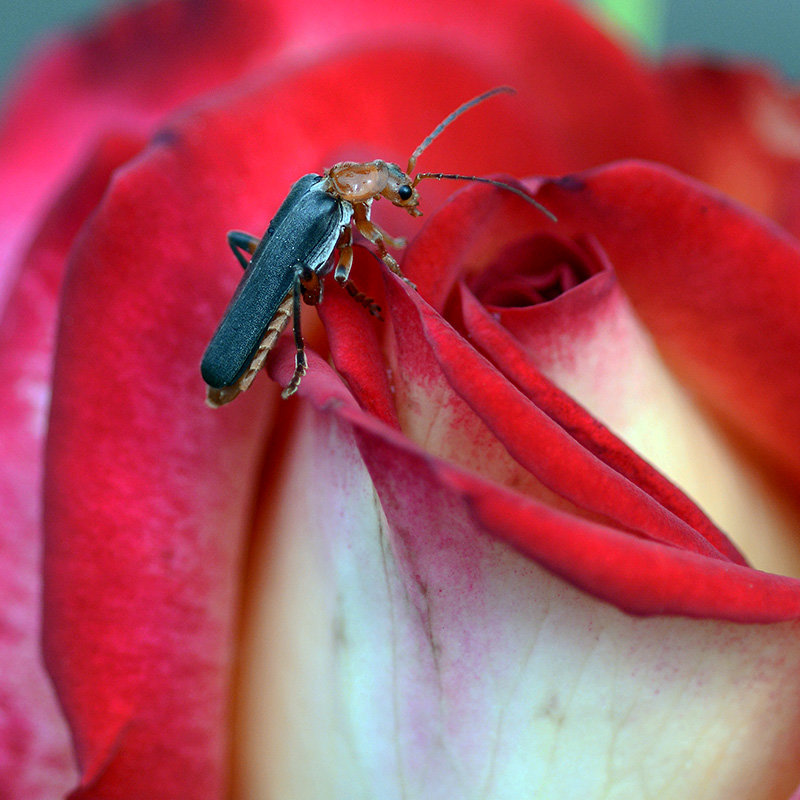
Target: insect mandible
{"type": "Point", "coordinates": [296, 252]}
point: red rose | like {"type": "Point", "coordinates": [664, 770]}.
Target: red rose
{"type": "Point", "coordinates": [445, 571]}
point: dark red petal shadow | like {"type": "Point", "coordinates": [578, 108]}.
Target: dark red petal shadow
{"type": "Point", "coordinates": [355, 343]}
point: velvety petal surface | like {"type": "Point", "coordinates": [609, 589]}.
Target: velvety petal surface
{"type": "Point", "coordinates": [637, 541]}
{"type": "Point", "coordinates": [595, 101]}
{"type": "Point", "coordinates": [35, 758]}
{"type": "Point", "coordinates": [150, 496]}
{"type": "Point", "coordinates": [122, 74]}
{"type": "Point", "coordinates": [583, 340]}
{"type": "Point", "coordinates": [148, 493]}
{"type": "Point", "coordinates": [689, 577]}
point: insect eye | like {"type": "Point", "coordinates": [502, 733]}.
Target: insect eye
{"type": "Point", "coordinates": [405, 192]}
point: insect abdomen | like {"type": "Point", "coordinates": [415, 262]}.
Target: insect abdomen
{"type": "Point", "coordinates": [304, 231]}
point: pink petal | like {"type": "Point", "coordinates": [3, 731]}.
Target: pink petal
{"type": "Point", "coordinates": [36, 761]}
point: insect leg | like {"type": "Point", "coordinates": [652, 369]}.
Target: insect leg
{"type": "Point", "coordinates": [300, 363]}
{"type": "Point", "coordinates": [345, 248]}
{"type": "Point", "coordinates": [363, 299]}
{"type": "Point", "coordinates": [240, 241]}
{"type": "Point", "coordinates": [342, 273]}
{"type": "Point", "coordinates": [398, 242]}
{"type": "Point", "coordinates": [369, 230]}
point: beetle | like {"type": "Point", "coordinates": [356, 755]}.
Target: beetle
{"type": "Point", "coordinates": [297, 251]}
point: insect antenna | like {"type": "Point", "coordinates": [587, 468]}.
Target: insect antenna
{"type": "Point", "coordinates": [450, 117]}
{"type": "Point", "coordinates": [507, 186]}
{"type": "Point", "coordinates": [451, 176]}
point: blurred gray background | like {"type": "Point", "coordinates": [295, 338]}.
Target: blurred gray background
{"type": "Point", "coordinates": [769, 29]}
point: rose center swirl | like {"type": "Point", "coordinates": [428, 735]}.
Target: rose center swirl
{"type": "Point", "coordinates": [534, 270]}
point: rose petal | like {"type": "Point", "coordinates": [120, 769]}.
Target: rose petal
{"type": "Point", "coordinates": [468, 404]}
{"type": "Point", "coordinates": [418, 656]}
{"type": "Point", "coordinates": [515, 363]}
{"type": "Point", "coordinates": [589, 342]}
{"type": "Point", "coordinates": [356, 348]}
{"type": "Point", "coordinates": [157, 496]}
{"type": "Point", "coordinates": [427, 351]}
{"type": "Point", "coordinates": [36, 760]}
{"type": "Point", "coordinates": [638, 574]}
{"type": "Point", "coordinates": [589, 102]}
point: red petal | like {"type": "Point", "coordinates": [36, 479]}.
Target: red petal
{"type": "Point", "coordinates": [468, 650]}
{"type": "Point", "coordinates": [638, 576]}
{"type": "Point", "coordinates": [507, 355]}
{"type": "Point", "coordinates": [597, 104]}
{"type": "Point", "coordinates": [591, 344]}
{"type": "Point", "coordinates": [599, 554]}
{"type": "Point", "coordinates": [37, 759]}
{"type": "Point", "coordinates": [431, 353]}
{"type": "Point", "coordinates": [739, 130]}
{"type": "Point", "coordinates": [148, 492]}
{"type": "Point", "coordinates": [588, 100]}
{"type": "Point", "coordinates": [355, 347]}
